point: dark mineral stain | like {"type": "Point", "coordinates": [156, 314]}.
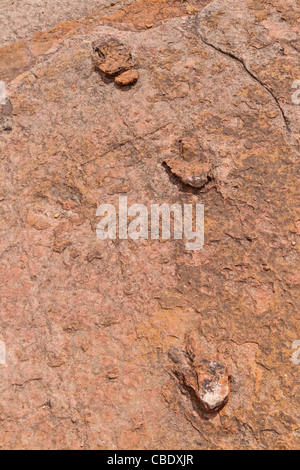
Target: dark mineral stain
{"type": "Point", "coordinates": [6, 121]}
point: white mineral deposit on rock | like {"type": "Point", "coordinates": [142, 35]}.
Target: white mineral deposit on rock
{"type": "Point", "coordinates": [2, 353]}
{"type": "Point", "coordinates": [3, 94]}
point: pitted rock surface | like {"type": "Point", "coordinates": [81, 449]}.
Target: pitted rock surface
{"type": "Point", "coordinates": [202, 375]}
{"type": "Point", "coordinates": [88, 325]}
{"type": "Point", "coordinates": [191, 164]}
{"type": "Point", "coordinates": [112, 57]}
{"type": "Point", "coordinates": [130, 77]}
{"type": "Point", "coordinates": [20, 20]}
{"type": "Point", "coordinates": [6, 111]}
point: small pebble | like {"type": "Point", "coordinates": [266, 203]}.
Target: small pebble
{"type": "Point", "coordinates": [127, 78]}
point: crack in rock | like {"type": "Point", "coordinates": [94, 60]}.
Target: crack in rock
{"type": "Point", "coordinates": [253, 76]}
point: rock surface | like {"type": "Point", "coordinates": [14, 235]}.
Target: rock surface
{"type": "Point", "coordinates": [191, 163]}
{"type": "Point", "coordinates": [20, 19]}
{"type": "Point", "coordinates": [112, 57]}
{"type": "Point", "coordinates": [127, 78]}
{"type": "Point", "coordinates": [202, 375]}
{"type": "Point", "coordinates": [90, 327]}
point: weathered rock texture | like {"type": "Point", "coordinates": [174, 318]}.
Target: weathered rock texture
{"type": "Point", "coordinates": [140, 14]}
{"type": "Point", "coordinates": [19, 19]}
{"type": "Point", "coordinates": [141, 344]}
{"type": "Point", "coordinates": [202, 375]}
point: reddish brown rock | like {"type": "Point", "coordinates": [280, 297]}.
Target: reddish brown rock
{"type": "Point", "coordinates": [202, 375]}
{"type": "Point", "coordinates": [14, 58]}
{"type": "Point", "coordinates": [193, 165]}
{"type": "Point", "coordinates": [112, 57]}
{"type": "Point", "coordinates": [20, 56]}
{"type": "Point", "coordinates": [144, 14]}
{"type": "Point", "coordinates": [37, 221]}
{"type": "Point", "coordinates": [6, 119]}
{"type": "Point", "coordinates": [60, 245]}
{"type": "Point", "coordinates": [87, 328]}
{"type": "Point", "coordinates": [43, 15]}
{"type": "Point", "coordinates": [127, 78]}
